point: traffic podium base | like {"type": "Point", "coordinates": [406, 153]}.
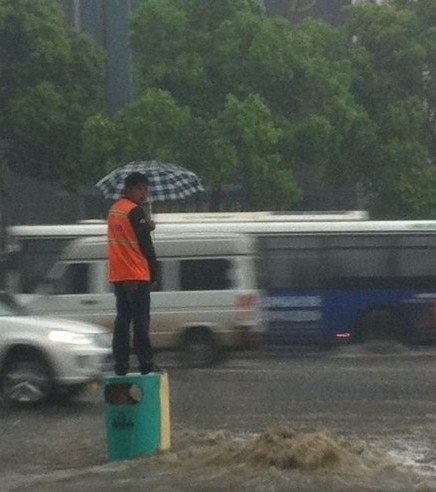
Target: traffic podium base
{"type": "Point", "coordinates": [137, 415]}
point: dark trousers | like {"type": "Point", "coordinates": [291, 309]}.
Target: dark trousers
{"type": "Point", "coordinates": [133, 305]}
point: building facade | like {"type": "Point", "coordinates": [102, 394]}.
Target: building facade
{"type": "Point", "coordinates": [107, 21]}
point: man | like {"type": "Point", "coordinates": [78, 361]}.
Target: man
{"type": "Point", "coordinates": [132, 270]}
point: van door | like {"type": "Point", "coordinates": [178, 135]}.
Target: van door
{"type": "Point", "coordinates": [193, 292]}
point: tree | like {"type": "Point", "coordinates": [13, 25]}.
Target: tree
{"type": "Point", "coordinates": [266, 98]}
{"type": "Point", "coordinates": [51, 82]}
{"type": "Point", "coordinates": [151, 127]}
{"type": "Point", "coordinates": [242, 149]}
{"type": "Point", "coordinates": [395, 59]}
{"type": "Point", "coordinates": [307, 79]}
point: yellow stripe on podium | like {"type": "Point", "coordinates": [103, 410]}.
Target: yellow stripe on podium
{"type": "Point", "coordinates": [165, 412]}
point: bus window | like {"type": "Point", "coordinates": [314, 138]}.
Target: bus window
{"type": "Point", "coordinates": [295, 269]}
{"type": "Point", "coordinates": [416, 262]}
{"type": "Point", "coordinates": [293, 262]}
{"type": "Point", "coordinates": [360, 261]}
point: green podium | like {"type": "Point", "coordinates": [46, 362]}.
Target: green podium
{"type": "Point", "coordinates": [137, 415]}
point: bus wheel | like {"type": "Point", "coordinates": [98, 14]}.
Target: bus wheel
{"type": "Point", "coordinates": [198, 348]}
{"type": "Point", "coordinates": [380, 325]}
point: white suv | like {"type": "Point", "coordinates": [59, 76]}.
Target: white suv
{"type": "Point", "coordinates": [41, 357]}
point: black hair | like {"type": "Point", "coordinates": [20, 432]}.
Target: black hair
{"type": "Point", "coordinates": [135, 179]}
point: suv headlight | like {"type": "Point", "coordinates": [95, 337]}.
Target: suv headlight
{"type": "Point", "coordinates": [61, 336]}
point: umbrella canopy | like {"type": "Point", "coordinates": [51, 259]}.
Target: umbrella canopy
{"type": "Point", "coordinates": [165, 181]}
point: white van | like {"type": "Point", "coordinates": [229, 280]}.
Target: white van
{"type": "Point", "coordinates": [206, 297]}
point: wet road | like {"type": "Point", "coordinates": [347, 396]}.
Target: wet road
{"type": "Point", "coordinates": [385, 402]}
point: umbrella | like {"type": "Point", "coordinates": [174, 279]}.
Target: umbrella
{"type": "Point", "coordinates": [165, 181]}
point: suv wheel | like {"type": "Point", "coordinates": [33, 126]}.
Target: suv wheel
{"type": "Point", "coordinates": [26, 381]}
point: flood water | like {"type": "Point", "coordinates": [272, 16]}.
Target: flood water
{"type": "Point", "coordinates": [329, 422]}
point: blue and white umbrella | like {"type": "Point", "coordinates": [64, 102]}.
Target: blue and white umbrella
{"type": "Point", "coordinates": [165, 181]}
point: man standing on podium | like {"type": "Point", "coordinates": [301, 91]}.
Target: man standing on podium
{"type": "Point", "coordinates": [132, 271]}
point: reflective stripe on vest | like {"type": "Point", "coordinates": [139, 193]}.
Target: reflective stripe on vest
{"type": "Point", "coordinates": [126, 261]}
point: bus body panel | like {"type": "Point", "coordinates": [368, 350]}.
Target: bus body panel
{"type": "Point", "coordinates": [328, 317]}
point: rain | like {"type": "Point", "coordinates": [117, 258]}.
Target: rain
{"type": "Point", "coordinates": [218, 245]}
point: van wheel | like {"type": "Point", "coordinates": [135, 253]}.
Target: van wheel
{"type": "Point", "coordinates": [380, 325]}
{"type": "Point", "coordinates": [198, 349]}
{"type": "Point", "coordinates": [26, 381]}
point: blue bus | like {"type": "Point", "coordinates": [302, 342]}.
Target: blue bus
{"type": "Point", "coordinates": [326, 281]}
{"type": "Point", "coordinates": [356, 281]}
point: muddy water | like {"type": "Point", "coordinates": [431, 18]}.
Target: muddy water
{"type": "Point", "coordinates": [283, 458]}
{"type": "Point", "coordinates": [253, 425]}
{"type": "Point", "coordinates": [279, 459]}
{"type": "Point", "coordinates": [282, 448]}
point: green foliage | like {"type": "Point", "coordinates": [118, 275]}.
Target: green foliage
{"type": "Point", "coordinates": [99, 137]}
{"type": "Point", "coordinates": [248, 128]}
{"type": "Point", "coordinates": [407, 182]}
{"type": "Point", "coordinates": [51, 83]}
{"type": "Point", "coordinates": [395, 61]}
{"type": "Point", "coordinates": [238, 97]}
{"type": "Point", "coordinates": [152, 127]}
{"type": "Point", "coordinates": [248, 100]}
{"type": "Point", "coordinates": [266, 99]}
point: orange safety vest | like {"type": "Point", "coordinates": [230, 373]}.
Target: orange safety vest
{"type": "Point", "coordinates": [126, 261]}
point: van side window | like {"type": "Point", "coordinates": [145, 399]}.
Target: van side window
{"type": "Point", "coordinates": [75, 279]}
{"type": "Point", "coordinates": [205, 274]}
